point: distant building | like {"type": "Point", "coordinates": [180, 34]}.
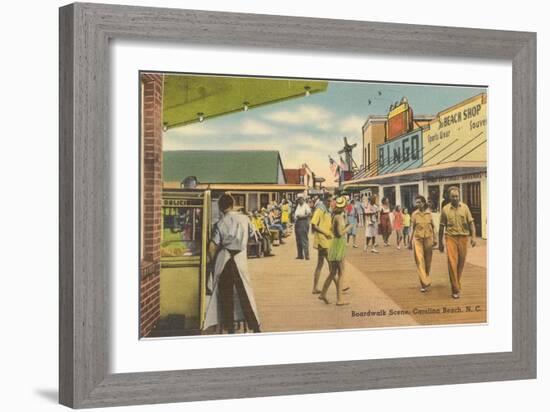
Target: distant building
{"type": "Point", "coordinates": [294, 176]}
{"type": "Point", "coordinates": [305, 176]}
{"type": "Point", "coordinates": [253, 177]}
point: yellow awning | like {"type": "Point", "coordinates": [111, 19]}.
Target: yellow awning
{"type": "Point", "coordinates": [185, 96]}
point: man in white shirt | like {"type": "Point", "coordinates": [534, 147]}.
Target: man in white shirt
{"type": "Point", "coordinates": [301, 227]}
{"type": "Point", "coordinates": [232, 297]}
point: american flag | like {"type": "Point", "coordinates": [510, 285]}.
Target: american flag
{"type": "Point", "coordinates": [333, 167]}
{"type": "Point", "coordinates": [343, 165]}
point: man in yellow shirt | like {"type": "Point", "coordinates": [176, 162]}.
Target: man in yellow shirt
{"type": "Point", "coordinates": [321, 224]}
{"type": "Point", "coordinates": [457, 224]}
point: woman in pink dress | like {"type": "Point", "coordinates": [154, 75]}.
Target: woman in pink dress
{"type": "Point", "coordinates": [385, 228]}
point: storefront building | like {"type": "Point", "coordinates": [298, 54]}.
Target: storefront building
{"type": "Point", "coordinates": [448, 150]}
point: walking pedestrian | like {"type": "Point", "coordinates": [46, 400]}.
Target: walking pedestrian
{"type": "Point", "coordinates": [385, 228]}
{"type": "Point", "coordinates": [406, 227]}
{"type": "Point", "coordinates": [457, 224]}
{"type": "Point", "coordinates": [321, 225]}
{"type": "Point", "coordinates": [337, 253]}
{"type": "Point", "coordinates": [398, 225]}
{"type": "Point", "coordinates": [301, 227]}
{"type": "Point", "coordinates": [371, 222]}
{"type": "Point", "coordinates": [422, 241]}
{"type": "Point", "coordinates": [353, 220]}
{"type": "Point", "coordinates": [360, 212]}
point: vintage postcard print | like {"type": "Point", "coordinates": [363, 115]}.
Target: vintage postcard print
{"type": "Point", "coordinates": [287, 205]}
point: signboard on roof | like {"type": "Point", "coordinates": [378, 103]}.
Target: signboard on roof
{"type": "Point", "coordinates": [458, 133]}
{"type": "Point", "coordinates": [399, 120]}
{"type": "Point", "coordinates": [402, 153]}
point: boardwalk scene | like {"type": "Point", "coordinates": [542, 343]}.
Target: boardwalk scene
{"type": "Point", "coordinates": [287, 205]}
{"type": "Point", "coordinates": [380, 295]}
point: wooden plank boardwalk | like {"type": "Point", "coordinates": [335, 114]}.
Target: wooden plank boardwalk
{"type": "Point", "coordinates": [384, 291]}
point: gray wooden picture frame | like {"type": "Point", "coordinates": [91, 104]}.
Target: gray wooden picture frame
{"type": "Point", "coordinates": [85, 32]}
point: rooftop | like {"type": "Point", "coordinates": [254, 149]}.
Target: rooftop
{"type": "Point", "coordinates": [224, 166]}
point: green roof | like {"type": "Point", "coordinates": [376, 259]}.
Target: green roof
{"type": "Point", "coordinates": [220, 166]}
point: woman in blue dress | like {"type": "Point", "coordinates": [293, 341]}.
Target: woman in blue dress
{"type": "Point", "coordinates": [353, 220]}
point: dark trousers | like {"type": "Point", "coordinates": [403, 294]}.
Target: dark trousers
{"type": "Point", "coordinates": [301, 230]}
{"type": "Point", "coordinates": [230, 280]}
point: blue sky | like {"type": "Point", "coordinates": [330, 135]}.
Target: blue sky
{"type": "Point", "coordinates": [309, 129]}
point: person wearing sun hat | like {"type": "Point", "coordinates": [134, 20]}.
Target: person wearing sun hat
{"type": "Point", "coordinates": [337, 252]}
{"type": "Point", "coordinates": [321, 226]}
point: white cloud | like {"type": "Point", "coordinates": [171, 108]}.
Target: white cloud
{"type": "Point", "coordinates": [203, 136]}
{"type": "Point", "coordinates": [319, 118]}
{"type": "Point", "coordinates": [256, 128]}
{"type": "Point", "coordinates": [350, 126]}
{"type": "Point", "coordinates": [323, 136]}
{"type": "Point", "coordinates": [306, 140]}
{"type": "Point", "coordinates": [206, 129]}
{"type": "Point", "coordinates": [310, 115]}
{"type": "Point", "coordinates": [194, 130]}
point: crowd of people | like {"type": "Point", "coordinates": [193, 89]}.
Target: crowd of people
{"type": "Point", "coordinates": [271, 225]}
{"type": "Point", "coordinates": [334, 222]}
{"type": "Point", "coordinates": [378, 220]}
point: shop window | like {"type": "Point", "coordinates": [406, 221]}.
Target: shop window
{"type": "Point", "coordinates": [252, 202]}
{"type": "Point", "coordinates": [408, 197]}
{"type": "Point", "coordinates": [240, 201]}
{"type": "Point", "coordinates": [389, 192]}
{"type": "Point", "coordinates": [433, 198]}
{"type": "Point", "coordinates": [264, 200]}
{"type": "Point", "coordinates": [182, 231]}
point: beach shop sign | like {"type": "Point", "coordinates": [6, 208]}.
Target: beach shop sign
{"type": "Point", "coordinates": [458, 133]}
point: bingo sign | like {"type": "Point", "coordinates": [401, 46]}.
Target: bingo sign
{"type": "Point", "coordinates": [402, 153]}
{"type": "Point", "coordinates": [458, 133]}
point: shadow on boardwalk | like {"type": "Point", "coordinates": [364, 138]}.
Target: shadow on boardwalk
{"type": "Point", "coordinates": [384, 291]}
